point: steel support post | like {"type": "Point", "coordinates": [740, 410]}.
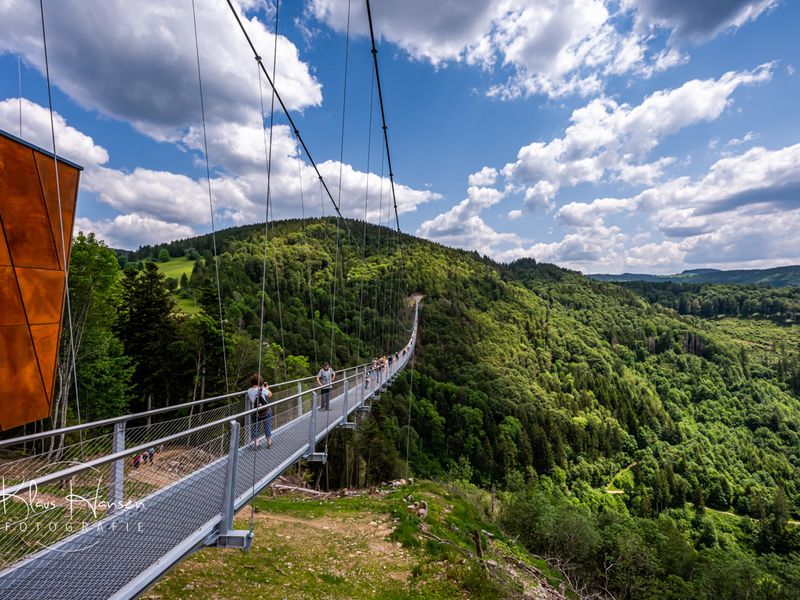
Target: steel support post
{"type": "Point", "coordinates": [228, 536]}
{"type": "Point", "coordinates": [299, 399]}
{"type": "Point", "coordinates": [117, 483]}
{"type": "Point", "coordinates": [312, 434]}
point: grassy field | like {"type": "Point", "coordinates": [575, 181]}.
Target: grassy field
{"type": "Point", "coordinates": [368, 546]}
{"type": "Point", "coordinates": [176, 267]}
{"type": "Point", "coordinates": [187, 305]}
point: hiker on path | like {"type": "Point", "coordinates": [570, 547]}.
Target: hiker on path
{"type": "Point", "coordinates": [259, 395]}
{"type": "Point", "coordinates": [325, 379]}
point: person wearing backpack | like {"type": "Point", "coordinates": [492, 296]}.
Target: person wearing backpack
{"type": "Point", "coordinates": [259, 395]}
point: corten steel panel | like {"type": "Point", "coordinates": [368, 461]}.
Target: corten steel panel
{"type": "Point", "coordinates": [42, 293]}
{"type": "Point", "coordinates": [5, 259]}
{"type": "Point", "coordinates": [45, 344]}
{"type": "Point", "coordinates": [31, 276]}
{"type": "Point", "coordinates": [25, 219]}
{"type": "Point", "coordinates": [21, 387]}
{"type": "Point", "coordinates": [69, 184]}
{"type": "Point", "coordinates": [11, 310]}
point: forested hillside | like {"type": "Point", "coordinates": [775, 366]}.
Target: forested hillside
{"type": "Point", "coordinates": [776, 277]}
{"type": "Point", "coordinates": [669, 444]}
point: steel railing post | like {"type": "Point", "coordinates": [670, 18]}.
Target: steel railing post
{"type": "Point", "coordinates": [229, 494]}
{"type": "Point", "coordinates": [312, 427]}
{"type": "Point", "coordinates": [228, 537]}
{"type": "Point", "coordinates": [248, 430]}
{"type": "Point", "coordinates": [346, 398]}
{"type": "Point", "coordinates": [116, 493]}
{"type": "Point", "coordinates": [299, 399]}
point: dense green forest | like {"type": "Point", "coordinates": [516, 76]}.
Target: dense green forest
{"type": "Point", "coordinates": [775, 277]}
{"type": "Point", "coordinates": [654, 453]}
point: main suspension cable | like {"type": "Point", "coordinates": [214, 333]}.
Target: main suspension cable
{"type": "Point", "coordinates": [61, 227]}
{"type": "Point", "coordinates": [383, 113]}
{"type": "Point", "coordinates": [210, 199]}
{"type": "Point", "coordinates": [268, 165]}
{"type": "Point", "coordinates": [289, 117]}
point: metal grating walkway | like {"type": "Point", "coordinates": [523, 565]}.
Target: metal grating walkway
{"type": "Point", "coordinates": [122, 554]}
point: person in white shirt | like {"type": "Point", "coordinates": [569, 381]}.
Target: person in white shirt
{"type": "Point", "coordinates": [325, 379]}
{"type": "Point", "coordinates": [258, 395]}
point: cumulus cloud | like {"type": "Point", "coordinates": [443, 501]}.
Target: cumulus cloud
{"type": "Point", "coordinates": [745, 212]}
{"type": "Point", "coordinates": [486, 176]}
{"type": "Point", "coordinates": [698, 21]}
{"type": "Point", "coordinates": [606, 137]}
{"type": "Point", "coordinates": [146, 73]}
{"type": "Point", "coordinates": [553, 47]}
{"type": "Point", "coordinates": [747, 137]}
{"type": "Point", "coordinates": [461, 226]}
{"type": "Point", "coordinates": [132, 230]}
{"type": "Point", "coordinates": [71, 144]}
{"type": "Point", "coordinates": [162, 199]}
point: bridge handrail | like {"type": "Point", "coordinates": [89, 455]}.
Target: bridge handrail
{"type": "Point", "coordinates": [148, 413]}
{"type": "Point", "coordinates": [70, 471]}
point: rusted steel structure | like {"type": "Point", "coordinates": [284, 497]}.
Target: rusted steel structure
{"type": "Point", "coordinates": [33, 238]}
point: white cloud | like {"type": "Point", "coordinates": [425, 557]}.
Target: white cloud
{"type": "Point", "coordinates": [70, 143]}
{"type": "Point", "coordinates": [596, 246]}
{"type": "Point", "coordinates": [514, 214]}
{"type": "Point", "coordinates": [147, 196]}
{"type": "Point", "coordinates": [148, 76]}
{"type": "Point", "coordinates": [608, 137]}
{"type": "Point", "coordinates": [747, 137]}
{"type": "Point", "coordinates": [698, 21]}
{"type": "Point", "coordinates": [461, 226]}
{"type": "Point", "coordinates": [486, 176]}
{"type": "Point", "coordinates": [552, 47]}
{"type": "Point", "coordinates": [580, 214]}
{"type": "Point", "coordinates": [132, 230]}
{"type": "Point", "coordinates": [744, 212]}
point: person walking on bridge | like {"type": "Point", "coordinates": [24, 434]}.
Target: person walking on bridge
{"type": "Point", "coordinates": [259, 395]}
{"type": "Point", "coordinates": [325, 379]}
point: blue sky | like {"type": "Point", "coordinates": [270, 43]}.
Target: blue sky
{"type": "Point", "coordinates": [630, 135]}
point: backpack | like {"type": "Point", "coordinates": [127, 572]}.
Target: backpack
{"type": "Point", "coordinates": [261, 401]}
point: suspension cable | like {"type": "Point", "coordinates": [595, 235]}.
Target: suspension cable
{"type": "Point", "coordinates": [289, 118]}
{"type": "Point", "coordinates": [305, 242]}
{"type": "Point", "coordinates": [383, 113]}
{"type": "Point", "coordinates": [366, 203]}
{"type": "Point", "coordinates": [339, 256]}
{"type": "Point", "coordinates": [278, 283]}
{"type": "Point", "coordinates": [385, 132]}
{"type": "Point", "coordinates": [268, 165]}
{"type": "Point", "coordinates": [339, 252]}
{"type": "Point", "coordinates": [210, 198]}
{"type": "Point", "coordinates": [19, 79]}
{"type": "Point", "coordinates": [379, 283]}
{"type": "Point", "coordinates": [408, 423]}
{"type": "Point", "coordinates": [61, 224]}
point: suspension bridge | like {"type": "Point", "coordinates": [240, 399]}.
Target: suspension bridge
{"type": "Point", "coordinates": [86, 522]}
{"type": "Point", "coordinates": [103, 509]}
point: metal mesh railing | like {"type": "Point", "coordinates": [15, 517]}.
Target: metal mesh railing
{"type": "Point", "coordinates": [145, 495]}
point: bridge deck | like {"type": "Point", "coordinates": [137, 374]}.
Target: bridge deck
{"type": "Point", "coordinates": [121, 555]}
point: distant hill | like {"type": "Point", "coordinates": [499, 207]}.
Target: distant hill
{"type": "Point", "coordinates": [776, 277]}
